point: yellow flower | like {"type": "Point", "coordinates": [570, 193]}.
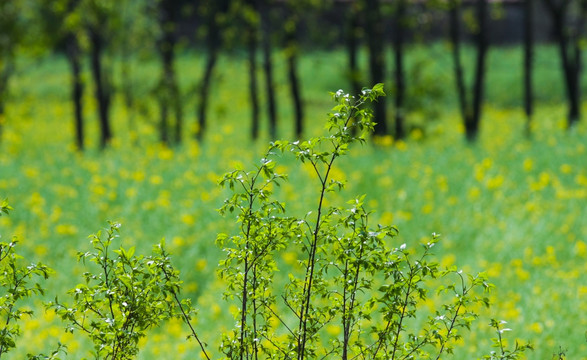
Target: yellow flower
{"type": "Point", "coordinates": [536, 327]}
{"type": "Point", "coordinates": [474, 193]}
{"type": "Point", "coordinates": [401, 145]}
{"type": "Point", "coordinates": [289, 257]}
{"type": "Point", "coordinates": [566, 168]}
{"type": "Point", "coordinates": [66, 229]}
{"type": "Point", "coordinates": [178, 241]}
{"type": "Point", "coordinates": [201, 264]}
{"type": "Point", "coordinates": [333, 330]}
{"type": "Point", "coordinates": [386, 218]}
{"type": "Point", "coordinates": [447, 261]}
{"type": "Point", "coordinates": [581, 180]}
{"type": "Point", "coordinates": [386, 140]}
{"type": "Point", "coordinates": [165, 153]}
{"type": "Point", "coordinates": [156, 180]}
{"type": "Point", "coordinates": [528, 165]}
{"type": "Point", "coordinates": [522, 274]}
{"type": "Point", "coordinates": [427, 209]}
{"type": "Point", "coordinates": [495, 182]}
{"type": "Point", "coordinates": [580, 248]}
{"type": "Point", "coordinates": [188, 219]}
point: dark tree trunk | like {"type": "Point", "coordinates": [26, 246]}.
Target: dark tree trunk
{"type": "Point", "coordinates": [400, 87]}
{"type": "Point", "coordinates": [103, 90]}
{"type": "Point", "coordinates": [374, 34]}
{"type": "Point", "coordinates": [528, 61]}
{"type": "Point", "coordinates": [213, 46]}
{"type": "Point", "coordinates": [74, 58]}
{"type": "Point", "coordinates": [296, 95]}
{"type": "Point", "coordinates": [352, 47]}
{"type": "Point", "coordinates": [455, 36]}
{"type": "Point", "coordinates": [251, 33]}
{"type": "Point", "coordinates": [292, 69]}
{"type": "Point", "coordinates": [163, 122]}
{"type": "Point", "coordinates": [127, 86]}
{"type": "Point", "coordinates": [471, 113]}
{"type": "Point", "coordinates": [570, 53]}
{"type": "Point", "coordinates": [472, 125]}
{"type": "Point", "coordinates": [205, 91]}
{"type": "Point", "coordinates": [268, 68]}
{"type": "Point", "coordinates": [169, 88]}
{"type": "Point", "coordinates": [569, 70]}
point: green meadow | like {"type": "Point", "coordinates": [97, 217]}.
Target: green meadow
{"type": "Point", "coordinates": [511, 206]}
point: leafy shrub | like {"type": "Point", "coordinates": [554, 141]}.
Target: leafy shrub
{"type": "Point", "coordinates": [350, 274]}
{"type": "Point", "coordinates": [17, 283]}
{"type": "Point", "coordinates": [124, 296]}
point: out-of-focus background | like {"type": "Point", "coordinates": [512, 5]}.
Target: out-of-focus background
{"type": "Point", "coordinates": [131, 110]}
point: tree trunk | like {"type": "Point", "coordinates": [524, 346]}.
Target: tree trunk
{"type": "Point", "coordinates": [374, 33]}
{"type": "Point", "coordinates": [251, 37]}
{"type": "Point", "coordinates": [577, 66]}
{"type": "Point", "coordinates": [73, 56]}
{"type": "Point", "coordinates": [126, 82]}
{"type": "Point", "coordinates": [169, 88]}
{"type": "Point", "coordinates": [455, 35]}
{"type": "Point", "coordinates": [472, 126]}
{"type": "Point", "coordinates": [292, 69]}
{"type": "Point", "coordinates": [470, 113]}
{"type": "Point", "coordinates": [102, 87]}
{"type": "Point", "coordinates": [570, 54]}
{"type": "Point", "coordinates": [213, 46]}
{"type": "Point", "coordinates": [352, 47]}
{"type": "Point", "coordinates": [268, 68]}
{"type": "Point", "coordinates": [400, 87]}
{"type": "Point", "coordinates": [163, 122]}
{"type": "Point", "coordinates": [528, 61]}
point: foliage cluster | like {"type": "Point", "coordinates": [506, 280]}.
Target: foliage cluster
{"type": "Point", "coordinates": [348, 273]}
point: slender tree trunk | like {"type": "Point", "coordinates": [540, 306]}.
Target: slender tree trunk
{"type": "Point", "coordinates": [163, 121]}
{"type": "Point", "coordinates": [570, 54]}
{"type": "Point", "coordinates": [177, 110]}
{"type": "Point", "coordinates": [528, 61]}
{"type": "Point", "coordinates": [73, 56]}
{"type": "Point", "coordinates": [127, 82]}
{"type": "Point", "coordinates": [213, 45]}
{"type": "Point", "coordinates": [292, 69]}
{"type": "Point", "coordinates": [471, 113]}
{"type": "Point", "coordinates": [577, 65]}
{"type": "Point", "coordinates": [472, 126]}
{"type": "Point", "coordinates": [268, 68]}
{"type": "Point", "coordinates": [170, 88]}
{"type": "Point", "coordinates": [353, 46]}
{"type": "Point", "coordinates": [103, 94]}
{"type": "Point", "coordinates": [252, 32]}
{"type": "Point", "coordinates": [400, 87]}
{"type": "Point", "coordinates": [569, 66]}
{"type": "Point", "coordinates": [455, 35]}
{"type": "Point", "coordinates": [374, 33]}
{"type": "Point", "coordinates": [125, 71]}
{"type": "Point", "coordinates": [170, 94]}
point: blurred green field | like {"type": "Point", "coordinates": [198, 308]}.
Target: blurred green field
{"type": "Point", "coordinates": [514, 207]}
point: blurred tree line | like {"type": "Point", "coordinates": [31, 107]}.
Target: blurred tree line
{"type": "Point", "coordinates": [105, 33]}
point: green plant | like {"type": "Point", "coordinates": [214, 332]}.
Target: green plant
{"type": "Point", "coordinates": [502, 353]}
{"type": "Point", "coordinates": [54, 355]}
{"type": "Point", "coordinates": [127, 295]}
{"type": "Point", "coordinates": [17, 283]}
{"type": "Point", "coordinates": [349, 274]}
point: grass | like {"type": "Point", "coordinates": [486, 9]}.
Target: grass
{"type": "Point", "coordinates": [511, 206]}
